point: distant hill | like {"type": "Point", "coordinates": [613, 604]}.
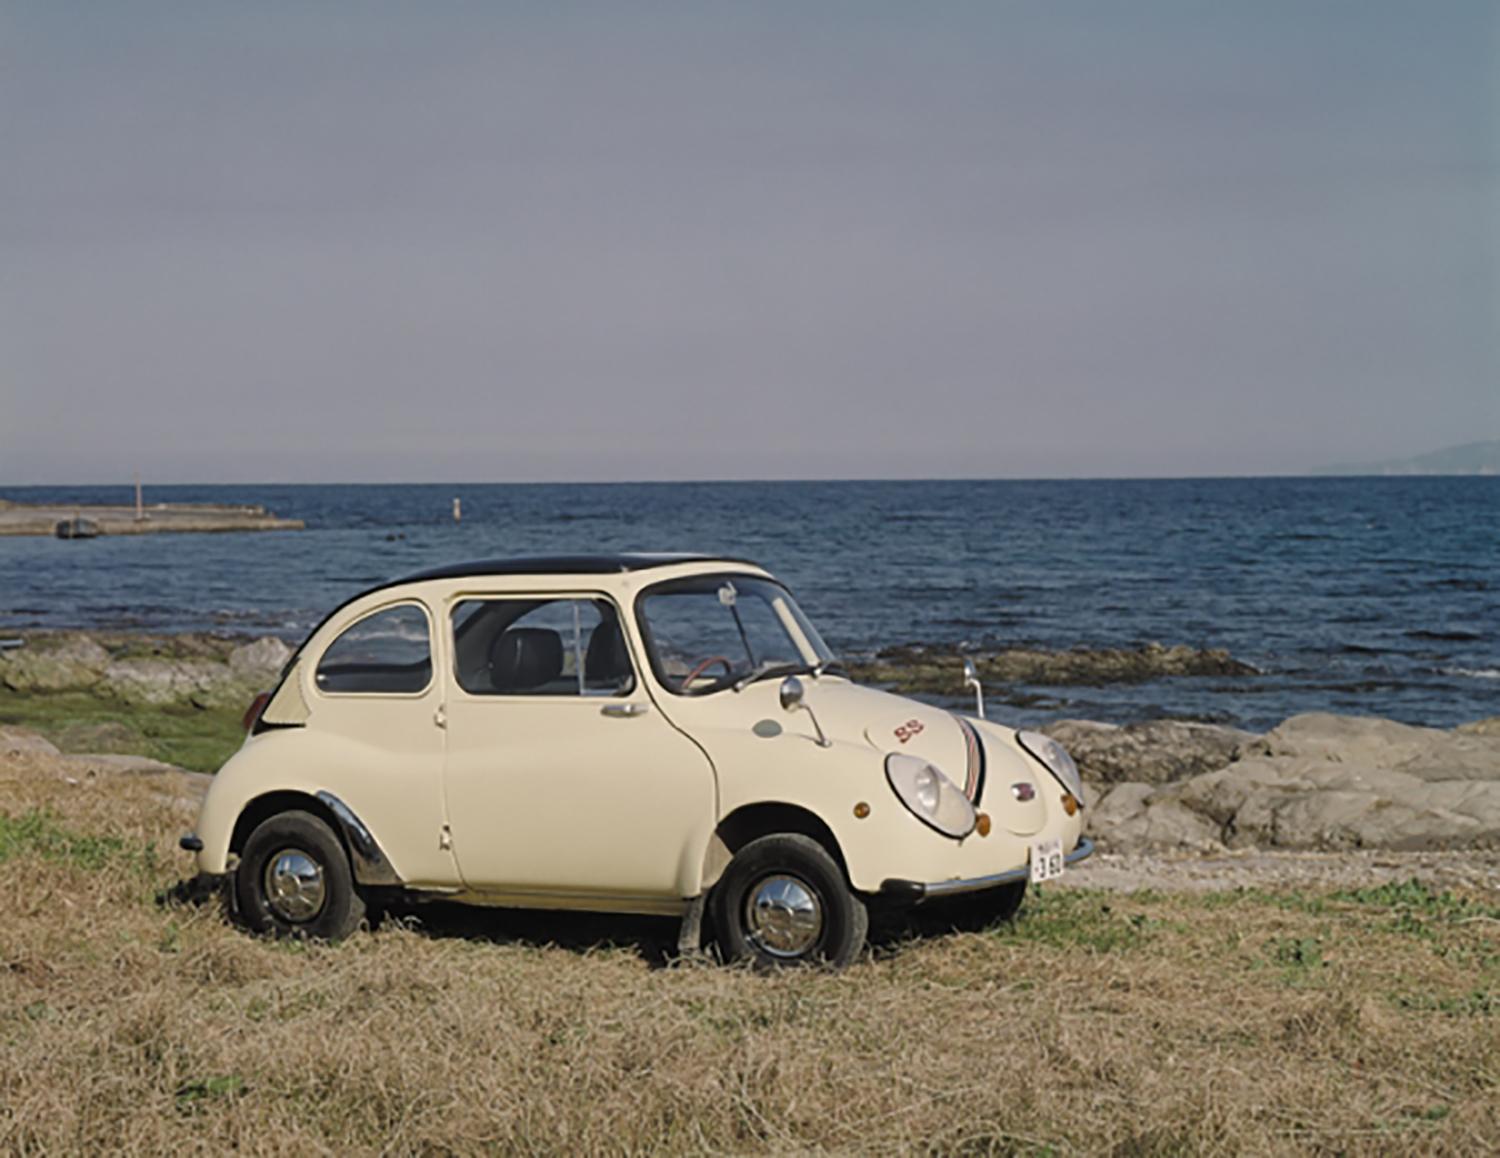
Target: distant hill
{"type": "Point", "coordinates": [1471, 458]}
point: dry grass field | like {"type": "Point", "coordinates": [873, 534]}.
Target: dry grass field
{"type": "Point", "coordinates": [1363, 1021]}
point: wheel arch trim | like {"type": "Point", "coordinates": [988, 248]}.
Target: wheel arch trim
{"type": "Point", "coordinates": [367, 860]}
{"type": "Point", "coordinates": [371, 865]}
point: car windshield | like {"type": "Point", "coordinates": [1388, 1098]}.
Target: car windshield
{"type": "Point", "coordinates": [712, 632]}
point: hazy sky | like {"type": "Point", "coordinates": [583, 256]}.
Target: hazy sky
{"type": "Point", "coordinates": [494, 241]}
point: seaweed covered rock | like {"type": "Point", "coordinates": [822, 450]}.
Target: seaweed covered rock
{"type": "Point", "coordinates": [196, 670]}
{"type": "Point", "coordinates": [919, 668]}
{"type": "Point", "coordinates": [54, 663]}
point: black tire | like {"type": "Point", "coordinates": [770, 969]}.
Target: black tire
{"type": "Point", "coordinates": [765, 864]}
{"type": "Point", "coordinates": [270, 855]}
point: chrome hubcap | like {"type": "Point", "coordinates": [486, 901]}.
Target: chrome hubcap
{"type": "Point", "coordinates": [783, 916]}
{"type": "Point", "coordinates": [294, 885]}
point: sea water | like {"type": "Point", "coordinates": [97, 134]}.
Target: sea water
{"type": "Point", "coordinates": [1376, 596]}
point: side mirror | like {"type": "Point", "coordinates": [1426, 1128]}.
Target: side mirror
{"type": "Point", "coordinates": [794, 699]}
{"type": "Point", "coordinates": [971, 680]}
{"type": "Point", "coordinates": [792, 694]}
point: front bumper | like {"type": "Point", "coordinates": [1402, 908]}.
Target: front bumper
{"type": "Point", "coordinates": [913, 892]}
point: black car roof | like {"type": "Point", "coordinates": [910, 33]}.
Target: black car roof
{"type": "Point", "coordinates": [563, 565]}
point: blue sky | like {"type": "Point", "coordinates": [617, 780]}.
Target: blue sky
{"type": "Point", "coordinates": [359, 241]}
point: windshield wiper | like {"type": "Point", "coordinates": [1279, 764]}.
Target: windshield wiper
{"type": "Point", "coordinates": [769, 668]}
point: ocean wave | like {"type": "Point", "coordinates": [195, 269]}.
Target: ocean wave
{"type": "Point", "coordinates": [1474, 673]}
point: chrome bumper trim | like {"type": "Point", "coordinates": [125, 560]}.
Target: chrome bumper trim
{"type": "Point", "coordinates": [916, 891]}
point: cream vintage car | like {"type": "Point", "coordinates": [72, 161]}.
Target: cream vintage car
{"type": "Point", "coordinates": [660, 734]}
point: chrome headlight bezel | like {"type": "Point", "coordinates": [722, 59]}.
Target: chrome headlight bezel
{"type": "Point", "coordinates": [1054, 757]}
{"type": "Point", "coordinates": [930, 795]}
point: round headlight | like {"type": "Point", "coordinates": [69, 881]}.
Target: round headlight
{"type": "Point", "coordinates": [1056, 758]}
{"type": "Point", "coordinates": [925, 785]}
{"type": "Point", "coordinates": [930, 796]}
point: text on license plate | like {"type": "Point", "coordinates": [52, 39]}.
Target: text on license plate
{"type": "Point", "coordinates": [1046, 860]}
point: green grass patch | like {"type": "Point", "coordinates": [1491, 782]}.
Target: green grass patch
{"type": "Point", "coordinates": [37, 832]}
{"type": "Point", "coordinates": [194, 738]}
{"type": "Point", "coordinates": [1081, 919]}
{"type": "Point", "coordinates": [1414, 897]}
{"type": "Point", "coordinates": [1410, 903]}
{"type": "Point", "coordinates": [1476, 1003]}
{"type": "Point", "coordinates": [191, 1095]}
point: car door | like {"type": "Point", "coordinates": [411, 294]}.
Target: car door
{"type": "Point", "coordinates": [563, 779]}
{"type": "Point", "coordinates": [374, 740]}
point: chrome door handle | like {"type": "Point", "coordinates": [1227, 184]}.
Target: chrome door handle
{"type": "Point", "coordinates": [625, 711]}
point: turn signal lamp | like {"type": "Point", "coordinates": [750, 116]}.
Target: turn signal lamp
{"type": "Point", "coordinates": [982, 824]}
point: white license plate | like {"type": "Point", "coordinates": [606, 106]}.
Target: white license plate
{"type": "Point", "coordinates": [1046, 860]}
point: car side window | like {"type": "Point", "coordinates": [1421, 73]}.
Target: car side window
{"type": "Point", "coordinates": [388, 652]}
{"type": "Point", "coordinates": [540, 647]}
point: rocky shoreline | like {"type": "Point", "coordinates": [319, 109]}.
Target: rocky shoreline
{"type": "Point", "coordinates": [200, 671]}
{"type": "Point", "coordinates": [1316, 783]}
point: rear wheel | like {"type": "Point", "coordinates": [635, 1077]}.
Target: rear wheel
{"type": "Point", "coordinates": [783, 901]}
{"type": "Point", "coordinates": [294, 880]}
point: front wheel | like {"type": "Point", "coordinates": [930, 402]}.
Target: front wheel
{"type": "Point", "coordinates": [294, 880]}
{"type": "Point", "coordinates": [783, 901]}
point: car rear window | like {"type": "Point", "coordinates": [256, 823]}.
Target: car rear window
{"type": "Point", "coordinates": [388, 652]}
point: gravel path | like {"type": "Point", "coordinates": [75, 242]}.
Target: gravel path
{"type": "Point", "coordinates": [1127, 872]}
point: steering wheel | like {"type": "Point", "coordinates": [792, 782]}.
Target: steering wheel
{"type": "Point", "coordinates": [703, 664]}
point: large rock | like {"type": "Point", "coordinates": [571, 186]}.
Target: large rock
{"type": "Point", "coordinates": [1128, 817]}
{"type": "Point", "coordinates": [56, 663]}
{"type": "Point", "coordinates": [162, 682]}
{"type": "Point", "coordinates": [1321, 782]}
{"type": "Point", "coordinates": [1155, 752]}
{"type": "Point", "coordinates": [180, 677]}
{"type": "Point", "coordinates": [1317, 803]}
{"type": "Point", "coordinates": [14, 741]}
{"type": "Point", "coordinates": [1427, 753]}
{"type": "Point", "coordinates": [260, 661]}
{"type": "Point", "coordinates": [147, 671]}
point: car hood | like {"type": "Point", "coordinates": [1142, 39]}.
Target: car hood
{"type": "Point", "coordinates": [978, 757]}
